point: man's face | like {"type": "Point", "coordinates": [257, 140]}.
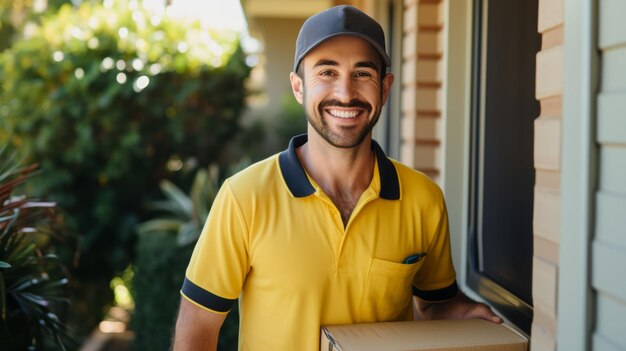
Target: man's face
{"type": "Point", "coordinates": [341, 90]}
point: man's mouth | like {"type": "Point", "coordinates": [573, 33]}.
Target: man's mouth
{"type": "Point", "coordinates": [345, 110]}
{"type": "Point", "coordinates": [343, 113]}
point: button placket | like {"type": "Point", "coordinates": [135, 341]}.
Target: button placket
{"type": "Point", "coordinates": [368, 196]}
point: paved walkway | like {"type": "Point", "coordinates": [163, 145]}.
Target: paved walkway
{"type": "Point", "coordinates": [111, 334]}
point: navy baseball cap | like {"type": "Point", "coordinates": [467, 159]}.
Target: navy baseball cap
{"type": "Point", "coordinates": [336, 21]}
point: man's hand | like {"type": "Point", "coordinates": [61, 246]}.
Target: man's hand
{"type": "Point", "coordinates": [460, 307]}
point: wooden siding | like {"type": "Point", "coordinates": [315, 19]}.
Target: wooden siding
{"type": "Point", "coordinates": [608, 254]}
{"type": "Point", "coordinates": [611, 125]}
{"type": "Point", "coordinates": [547, 159]}
{"type": "Point", "coordinates": [422, 61]}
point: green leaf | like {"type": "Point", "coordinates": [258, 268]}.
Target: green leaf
{"type": "Point", "coordinates": [35, 299]}
{"type": "Point", "coordinates": [182, 204]}
{"type": "Point", "coordinates": [24, 251]}
{"type": "Point", "coordinates": [4, 264]}
{"type": "Point", "coordinates": [163, 206]}
{"type": "Point", "coordinates": [3, 298]}
{"type": "Point", "coordinates": [11, 220]}
{"type": "Point", "coordinates": [187, 234]}
{"type": "Point", "coordinates": [162, 225]}
{"type": "Point", "coordinates": [10, 164]}
{"type": "Point", "coordinates": [24, 285]}
{"type": "Point", "coordinates": [56, 283]}
{"type": "Point", "coordinates": [197, 193]}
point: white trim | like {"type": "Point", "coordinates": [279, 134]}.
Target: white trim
{"type": "Point", "coordinates": [578, 154]}
{"type": "Point", "coordinates": [456, 111]}
{"type": "Point", "coordinates": [388, 130]}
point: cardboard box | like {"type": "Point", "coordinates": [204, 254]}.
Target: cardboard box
{"type": "Point", "coordinates": [441, 335]}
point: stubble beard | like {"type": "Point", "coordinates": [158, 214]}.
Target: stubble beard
{"type": "Point", "coordinates": [351, 136]}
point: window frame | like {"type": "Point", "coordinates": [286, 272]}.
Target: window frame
{"type": "Point", "coordinates": [512, 307]}
{"type": "Point", "coordinates": [388, 129]}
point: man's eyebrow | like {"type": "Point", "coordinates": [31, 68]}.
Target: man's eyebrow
{"type": "Point", "coordinates": [325, 62]}
{"type": "Point", "coordinates": [360, 64]}
{"type": "Point", "coordinates": [367, 64]}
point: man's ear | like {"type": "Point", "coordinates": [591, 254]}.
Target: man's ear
{"type": "Point", "coordinates": [297, 87]}
{"type": "Point", "coordinates": [387, 82]}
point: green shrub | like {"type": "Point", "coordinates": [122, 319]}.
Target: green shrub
{"type": "Point", "coordinates": [110, 99]}
{"type": "Point", "coordinates": [291, 120]}
{"type": "Point", "coordinates": [268, 135]}
{"type": "Point", "coordinates": [159, 271]}
{"type": "Point", "coordinates": [164, 248]}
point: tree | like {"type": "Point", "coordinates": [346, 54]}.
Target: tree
{"type": "Point", "coordinates": [110, 99]}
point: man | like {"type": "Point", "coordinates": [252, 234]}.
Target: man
{"type": "Point", "coordinates": [330, 231]}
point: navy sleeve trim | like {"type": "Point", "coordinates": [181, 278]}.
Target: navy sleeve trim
{"type": "Point", "coordinates": [437, 295]}
{"type": "Point", "coordinates": [205, 298]}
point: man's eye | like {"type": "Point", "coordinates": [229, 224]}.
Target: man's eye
{"type": "Point", "coordinates": [362, 74]}
{"type": "Point", "coordinates": [326, 73]}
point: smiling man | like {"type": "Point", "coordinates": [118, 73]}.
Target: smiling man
{"type": "Point", "coordinates": [330, 231]}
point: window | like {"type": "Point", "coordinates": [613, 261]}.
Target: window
{"type": "Point", "coordinates": [505, 42]}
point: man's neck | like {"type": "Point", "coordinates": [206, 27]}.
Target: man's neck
{"type": "Point", "coordinates": [343, 173]}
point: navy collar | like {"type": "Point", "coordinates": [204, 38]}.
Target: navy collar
{"type": "Point", "coordinates": [300, 186]}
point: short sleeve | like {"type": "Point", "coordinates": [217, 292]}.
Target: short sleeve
{"type": "Point", "coordinates": [436, 279]}
{"type": "Point", "coordinates": [219, 263]}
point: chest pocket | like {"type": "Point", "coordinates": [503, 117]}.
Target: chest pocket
{"type": "Point", "coordinates": [387, 294]}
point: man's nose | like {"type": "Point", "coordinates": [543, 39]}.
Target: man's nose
{"type": "Point", "coordinates": [345, 89]}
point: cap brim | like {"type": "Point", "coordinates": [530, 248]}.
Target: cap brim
{"type": "Point", "coordinates": [381, 51]}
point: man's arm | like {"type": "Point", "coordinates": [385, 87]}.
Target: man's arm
{"type": "Point", "coordinates": [459, 307]}
{"type": "Point", "coordinates": [196, 328]}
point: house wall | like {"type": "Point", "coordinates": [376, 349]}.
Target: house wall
{"type": "Point", "coordinates": [547, 151]}
{"type": "Point", "coordinates": [608, 249]}
{"type": "Point", "coordinates": [424, 111]}
{"type": "Point", "coordinates": [278, 37]}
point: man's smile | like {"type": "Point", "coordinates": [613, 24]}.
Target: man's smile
{"type": "Point", "coordinates": [346, 114]}
{"type": "Point", "coordinates": [346, 111]}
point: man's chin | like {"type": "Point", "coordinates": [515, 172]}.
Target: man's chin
{"type": "Point", "coordinates": [345, 141]}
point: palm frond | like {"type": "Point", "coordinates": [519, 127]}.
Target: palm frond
{"type": "Point", "coordinates": [181, 203]}
{"type": "Point", "coordinates": [188, 233]}
{"type": "Point", "coordinates": [32, 283]}
{"type": "Point", "coordinates": [183, 214]}
{"type": "Point", "coordinates": [160, 225]}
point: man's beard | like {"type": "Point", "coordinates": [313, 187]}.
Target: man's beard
{"type": "Point", "coordinates": [352, 137]}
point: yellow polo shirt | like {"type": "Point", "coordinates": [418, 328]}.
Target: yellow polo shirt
{"type": "Point", "coordinates": [275, 240]}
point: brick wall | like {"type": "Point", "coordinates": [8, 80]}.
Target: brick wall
{"type": "Point", "coordinates": [422, 64]}
{"type": "Point", "coordinates": [547, 155]}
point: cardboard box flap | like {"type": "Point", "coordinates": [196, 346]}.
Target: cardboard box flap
{"type": "Point", "coordinates": [448, 335]}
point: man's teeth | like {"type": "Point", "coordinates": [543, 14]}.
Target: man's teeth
{"type": "Point", "coordinates": [343, 113]}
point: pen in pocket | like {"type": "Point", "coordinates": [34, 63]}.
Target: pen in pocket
{"type": "Point", "coordinates": [414, 258]}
